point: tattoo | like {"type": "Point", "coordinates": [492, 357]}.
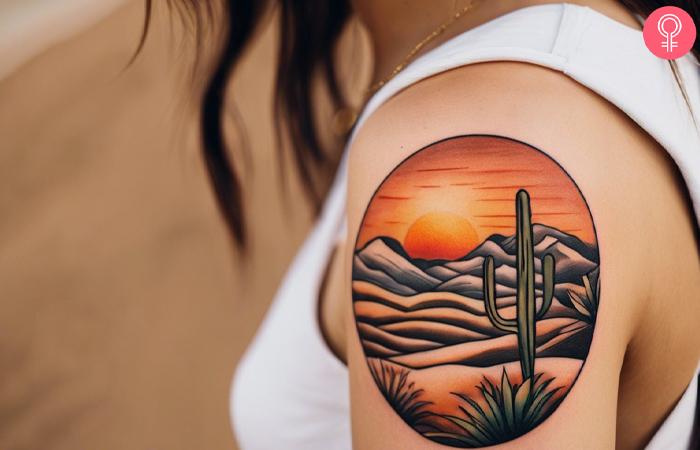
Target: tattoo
{"type": "Point", "coordinates": [476, 288]}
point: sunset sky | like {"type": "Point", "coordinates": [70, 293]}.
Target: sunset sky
{"type": "Point", "coordinates": [445, 200]}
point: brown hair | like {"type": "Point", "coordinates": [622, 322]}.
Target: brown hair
{"type": "Point", "coordinates": [308, 33]}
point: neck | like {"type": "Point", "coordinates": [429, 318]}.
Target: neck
{"type": "Point", "coordinates": [397, 26]}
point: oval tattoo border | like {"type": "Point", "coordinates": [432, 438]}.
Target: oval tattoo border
{"type": "Point", "coordinates": [475, 288]}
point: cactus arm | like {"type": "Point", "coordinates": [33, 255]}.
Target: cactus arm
{"type": "Point", "coordinates": [490, 300]}
{"type": "Point", "coordinates": [547, 284]}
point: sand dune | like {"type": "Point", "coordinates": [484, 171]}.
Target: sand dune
{"type": "Point", "coordinates": [440, 332]}
{"type": "Point", "coordinates": [394, 342]}
{"type": "Point", "coordinates": [445, 328]}
{"type": "Point", "coordinates": [573, 342]}
{"type": "Point", "coordinates": [428, 319]}
{"type": "Point", "coordinates": [374, 350]}
{"type": "Point", "coordinates": [477, 354]}
{"type": "Point", "coordinates": [363, 290]}
{"type": "Point", "coordinates": [505, 348]}
{"type": "Point", "coordinates": [379, 314]}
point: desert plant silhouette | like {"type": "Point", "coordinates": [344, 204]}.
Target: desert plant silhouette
{"type": "Point", "coordinates": [587, 305]}
{"type": "Point", "coordinates": [401, 394]}
{"type": "Point", "coordinates": [526, 317]}
{"type": "Point", "coordinates": [509, 410]}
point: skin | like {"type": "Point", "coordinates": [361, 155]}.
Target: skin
{"type": "Point", "coordinates": [645, 340]}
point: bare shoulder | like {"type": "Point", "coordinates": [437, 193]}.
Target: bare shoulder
{"type": "Point", "coordinates": [499, 218]}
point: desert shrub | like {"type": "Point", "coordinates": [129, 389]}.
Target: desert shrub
{"type": "Point", "coordinates": [507, 411]}
{"type": "Point", "coordinates": [587, 305]}
{"type": "Point", "coordinates": [401, 394]}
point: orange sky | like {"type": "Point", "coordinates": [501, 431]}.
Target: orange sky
{"type": "Point", "coordinates": [476, 178]}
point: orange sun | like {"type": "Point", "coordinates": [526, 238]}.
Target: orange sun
{"type": "Point", "coordinates": [440, 235]}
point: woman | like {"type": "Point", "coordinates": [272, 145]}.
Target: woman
{"type": "Point", "coordinates": [508, 254]}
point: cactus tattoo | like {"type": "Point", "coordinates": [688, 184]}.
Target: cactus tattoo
{"type": "Point", "coordinates": [526, 319]}
{"type": "Point", "coordinates": [476, 289]}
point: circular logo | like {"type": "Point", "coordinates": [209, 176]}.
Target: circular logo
{"type": "Point", "coordinates": [669, 32]}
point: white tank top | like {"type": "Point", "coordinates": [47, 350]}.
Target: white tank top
{"type": "Point", "coordinates": [290, 391]}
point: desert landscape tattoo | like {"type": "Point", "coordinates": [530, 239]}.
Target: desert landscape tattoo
{"type": "Point", "coordinates": [475, 289]}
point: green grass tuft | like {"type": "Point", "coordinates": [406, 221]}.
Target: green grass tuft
{"type": "Point", "coordinates": [505, 412]}
{"type": "Point", "coordinates": [401, 394]}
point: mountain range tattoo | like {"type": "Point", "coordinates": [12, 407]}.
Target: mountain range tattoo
{"type": "Point", "coordinates": [475, 289]}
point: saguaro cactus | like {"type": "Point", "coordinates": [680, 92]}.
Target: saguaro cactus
{"type": "Point", "coordinates": [526, 317]}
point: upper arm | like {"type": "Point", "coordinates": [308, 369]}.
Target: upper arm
{"type": "Point", "coordinates": [434, 182]}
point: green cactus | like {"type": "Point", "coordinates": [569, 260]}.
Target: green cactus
{"type": "Point", "coordinates": [526, 317]}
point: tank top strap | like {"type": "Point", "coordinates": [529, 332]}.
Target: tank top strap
{"type": "Point", "coordinates": [590, 48]}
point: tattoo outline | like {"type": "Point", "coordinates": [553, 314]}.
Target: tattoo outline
{"type": "Point", "coordinates": [474, 334]}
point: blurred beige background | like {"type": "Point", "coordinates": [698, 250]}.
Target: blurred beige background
{"type": "Point", "coordinates": [27, 27]}
{"type": "Point", "coordinates": [123, 309]}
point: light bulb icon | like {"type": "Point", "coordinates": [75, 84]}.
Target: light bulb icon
{"type": "Point", "coordinates": [669, 26]}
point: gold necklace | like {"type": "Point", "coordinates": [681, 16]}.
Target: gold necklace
{"type": "Point", "coordinates": [418, 47]}
{"type": "Point", "coordinates": [345, 118]}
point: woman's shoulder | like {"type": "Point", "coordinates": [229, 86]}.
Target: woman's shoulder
{"type": "Point", "coordinates": [590, 171]}
{"type": "Point", "coordinates": [630, 183]}
{"type": "Point", "coordinates": [588, 135]}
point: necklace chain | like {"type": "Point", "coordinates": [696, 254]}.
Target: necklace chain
{"type": "Point", "coordinates": [344, 119]}
{"type": "Point", "coordinates": [418, 47]}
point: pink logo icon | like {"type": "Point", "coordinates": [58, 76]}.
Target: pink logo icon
{"type": "Point", "coordinates": [669, 32]}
